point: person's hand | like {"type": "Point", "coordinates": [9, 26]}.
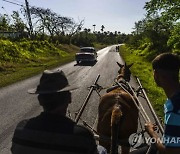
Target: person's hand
{"type": "Point", "coordinates": [150, 128]}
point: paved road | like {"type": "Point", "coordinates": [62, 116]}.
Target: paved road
{"type": "Point", "coordinates": [16, 104]}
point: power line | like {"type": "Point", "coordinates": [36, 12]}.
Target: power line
{"type": "Point", "coordinates": [13, 3]}
{"type": "Point", "coordinates": [19, 2]}
{"type": "Point", "coordinates": [4, 10]}
{"type": "Point", "coordinates": [22, 4]}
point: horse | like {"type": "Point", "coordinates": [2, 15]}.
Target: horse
{"type": "Point", "coordinates": [117, 48]}
{"type": "Point", "coordinates": [117, 115]}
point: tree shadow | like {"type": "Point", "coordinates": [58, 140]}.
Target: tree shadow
{"type": "Point", "coordinates": [85, 63]}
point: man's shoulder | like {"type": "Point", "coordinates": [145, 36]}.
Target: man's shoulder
{"type": "Point", "coordinates": [81, 138]}
{"type": "Point", "coordinates": [49, 123]}
{"type": "Point", "coordinates": [176, 102]}
{"type": "Point", "coordinates": [172, 122]}
{"type": "Point", "coordinates": [82, 131]}
{"type": "Point", "coordinates": [176, 97]}
{"type": "Point", "coordinates": [77, 129]}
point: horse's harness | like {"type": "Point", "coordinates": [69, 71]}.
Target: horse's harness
{"type": "Point", "coordinates": [120, 84]}
{"type": "Point", "coordinates": [123, 84]}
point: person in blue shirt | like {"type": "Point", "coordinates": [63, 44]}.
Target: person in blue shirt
{"type": "Point", "coordinates": [166, 75]}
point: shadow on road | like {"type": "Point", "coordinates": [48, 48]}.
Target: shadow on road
{"type": "Point", "coordinates": [85, 64]}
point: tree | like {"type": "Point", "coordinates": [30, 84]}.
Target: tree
{"type": "Point", "coordinates": [174, 39]}
{"type": "Point", "coordinates": [63, 24]}
{"type": "Point", "coordinates": [139, 27]}
{"type": "Point", "coordinates": [18, 24]}
{"type": "Point", "coordinates": [75, 28]}
{"type": "Point", "coordinates": [84, 38]}
{"type": "Point", "coordinates": [45, 20]}
{"type": "Point", "coordinates": [168, 9]}
{"type": "Point", "coordinates": [4, 22]}
{"type": "Point", "coordinates": [169, 13]}
{"type": "Point", "coordinates": [151, 35]}
{"type": "Point", "coordinates": [102, 28]}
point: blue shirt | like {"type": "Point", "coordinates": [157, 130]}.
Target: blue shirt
{"type": "Point", "coordinates": [172, 122]}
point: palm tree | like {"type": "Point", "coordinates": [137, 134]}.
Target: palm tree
{"type": "Point", "coordinates": [94, 27]}
{"type": "Point", "coordinates": [102, 28]}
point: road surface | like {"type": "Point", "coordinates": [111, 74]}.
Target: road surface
{"type": "Point", "coordinates": [16, 104]}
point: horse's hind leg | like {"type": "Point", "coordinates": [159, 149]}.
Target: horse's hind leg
{"type": "Point", "coordinates": [125, 150]}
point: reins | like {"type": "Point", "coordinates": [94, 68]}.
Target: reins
{"type": "Point", "coordinates": [137, 104]}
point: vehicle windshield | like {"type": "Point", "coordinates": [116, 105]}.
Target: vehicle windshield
{"type": "Point", "coordinates": [87, 50]}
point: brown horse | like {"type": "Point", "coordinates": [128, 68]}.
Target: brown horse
{"type": "Point", "coordinates": [117, 115]}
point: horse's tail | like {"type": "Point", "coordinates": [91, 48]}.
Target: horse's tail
{"type": "Point", "coordinates": [115, 122]}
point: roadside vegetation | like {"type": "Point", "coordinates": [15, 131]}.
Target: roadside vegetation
{"type": "Point", "coordinates": [157, 33]}
{"type": "Point", "coordinates": [143, 70]}
{"type": "Point", "coordinates": [22, 59]}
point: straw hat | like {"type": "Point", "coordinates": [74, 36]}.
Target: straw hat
{"type": "Point", "coordinates": [52, 82]}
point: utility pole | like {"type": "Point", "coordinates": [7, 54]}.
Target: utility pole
{"type": "Point", "coordinates": [29, 18]}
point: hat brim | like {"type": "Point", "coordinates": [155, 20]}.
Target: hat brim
{"type": "Point", "coordinates": [67, 88]}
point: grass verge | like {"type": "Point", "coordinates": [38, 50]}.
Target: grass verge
{"type": "Point", "coordinates": [18, 61]}
{"type": "Point", "coordinates": [143, 70]}
{"type": "Point", "coordinates": [25, 71]}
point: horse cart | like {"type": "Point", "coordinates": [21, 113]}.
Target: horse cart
{"type": "Point", "coordinates": [120, 113]}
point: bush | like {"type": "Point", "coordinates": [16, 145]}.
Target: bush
{"type": "Point", "coordinates": [9, 51]}
{"type": "Point", "coordinates": [28, 50]}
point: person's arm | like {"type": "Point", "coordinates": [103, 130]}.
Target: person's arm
{"type": "Point", "coordinates": [150, 130]}
{"type": "Point", "coordinates": [161, 148]}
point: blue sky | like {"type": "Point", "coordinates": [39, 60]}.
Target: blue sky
{"type": "Point", "coordinates": [115, 15]}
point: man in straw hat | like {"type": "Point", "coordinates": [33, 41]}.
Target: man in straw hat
{"type": "Point", "coordinates": [52, 132]}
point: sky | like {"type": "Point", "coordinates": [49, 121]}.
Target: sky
{"type": "Point", "coordinates": [115, 15]}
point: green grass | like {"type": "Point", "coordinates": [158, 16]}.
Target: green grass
{"type": "Point", "coordinates": [143, 70]}
{"type": "Point", "coordinates": [19, 73]}
{"type": "Point", "coordinates": [20, 60]}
